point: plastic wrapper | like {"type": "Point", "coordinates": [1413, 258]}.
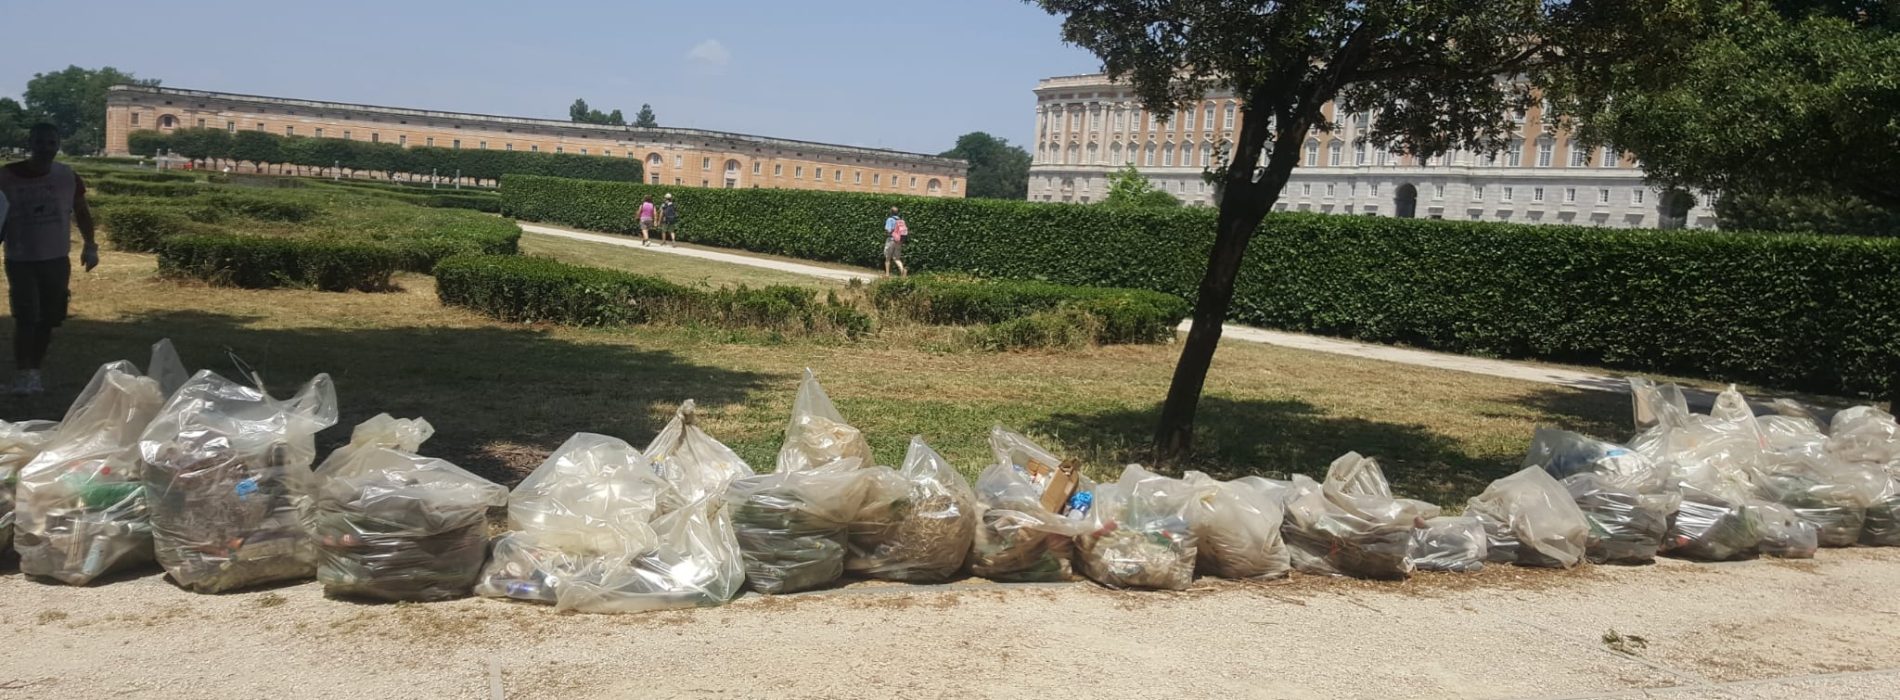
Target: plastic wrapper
{"type": "Point", "coordinates": [1626, 497]}
{"type": "Point", "coordinates": [1831, 494]}
{"type": "Point", "coordinates": [1657, 406]}
{"type": "Point", "coordinates": [692, 464]}
{"type": "Point", "coordinates": [1236, 526]}
{"type": "Point", "coordinates": [792, 527]}
{"type": "Point", "coordinates": [1780, 533]}
{"type": "Point", "coordinates": [19, 444]}
{"type": "Point", "coordinates": [1139, 535]}
{"type": "Point", "coordinates": [1882, 526]}
{"type": "Point", "coordinates": [1530, 519]}
{"type": "Point", "coordinates": [1448, 543]}
{"type": "Point", "coordinates": [392, 525]}
{"type": "Point", "coordinates": [1017, 539]}
{"type": "Point", "coordinates": [817, 434]}
{"type": "Point", "coordinates": [922, 521]}
{"type": "Point", "coordinates": [1351, 525]}
{"type": "Point", "coordinates": [224, 467]}
{"type": "Point", "coordinates": [81, 510]}
{"type": "Point", "coordinates": [1867, 436]}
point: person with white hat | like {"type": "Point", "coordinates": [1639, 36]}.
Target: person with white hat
{"type": "Point", "coordinates": [669, 219]}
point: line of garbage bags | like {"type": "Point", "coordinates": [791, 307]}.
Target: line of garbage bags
{"type": "Point", "coordinates": [214, 480]}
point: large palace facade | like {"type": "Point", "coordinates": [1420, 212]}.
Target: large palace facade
{"type": "Point", "coordinates": [1088, 126]}
{"type": "Point", "coordinates": [686, 157]}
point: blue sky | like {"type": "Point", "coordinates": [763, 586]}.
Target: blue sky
{"type": "Point", "coordinates": [904, 74]}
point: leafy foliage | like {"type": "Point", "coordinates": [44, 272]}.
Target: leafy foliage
{"type": "Point", "coordinates": [1127, 187]}
{"type": "Point", "coordinates": [1791, 97]}
{"type": "Point", "coordinates": [1809, 213]}
{"type": "Point", "coordinates": [365, 156]}
{"type": "Point", "coordinates": [141, 228]}
{"type": "Point", "coordinates": [14, 122]}
{"type": "Point", "coordinates": [74, 100]}
{"type": "Point", "coordinates": [645, 118]}
{"type": "Point", "coordinates": [1118, 315]}
{"type": "Point", "coordinates": [997, 169]}
{"type": "Point", "coordinates": [264, 262]}
{"type": "Point", "coordinates": [580, 113]}
{"type": "Point", "coordinates": [1803, 312]}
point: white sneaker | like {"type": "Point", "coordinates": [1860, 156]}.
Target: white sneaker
{"type": "Point", "coordinates": [28, 383]}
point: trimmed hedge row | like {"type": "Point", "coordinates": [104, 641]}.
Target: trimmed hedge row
{"type": "Point", "coordinates": [486, 164]}
{"type": "Point", "coordinates": [1816, 313]}
{"type": "Point", "coordinates": [1121, 315]}
{"type": "Point", "coordinates": [539, 290]}
{"type": "Point", "coordinates": [264, 262]}
{"type": "Point", "coordinates": [141, 188]}
{"type": "Point", "coordinates": [141, 229]}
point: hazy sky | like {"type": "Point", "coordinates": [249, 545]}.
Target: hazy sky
{"type": "Point", "coordinates": [904, 74]}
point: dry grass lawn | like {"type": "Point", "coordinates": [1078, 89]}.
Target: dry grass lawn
{"type": "Point", "coordinates": [503, 395]}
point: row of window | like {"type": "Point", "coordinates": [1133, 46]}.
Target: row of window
{"type": "Point", "coordinates": [1507, 193]}
{"type": "Point", "coordinates": [1125, 119]}
{"type": "Point", "coordinates": [1512, 157]}
{"type": "Point", "coordinates": [1114, 154]}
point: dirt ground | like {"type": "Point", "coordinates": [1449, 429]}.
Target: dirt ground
{"type": "Point", "coordinates": [1823, 628]}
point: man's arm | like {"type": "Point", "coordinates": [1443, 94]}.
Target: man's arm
{"type": "Point", "coordinates": [82, 213]}
{"type": "Point", "coordinates": [890, 224]}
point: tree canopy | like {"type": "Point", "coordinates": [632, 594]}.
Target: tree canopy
{"type": "Point", "coordinates": [1761, 100]}
{"type": "Point", "coordinates": [645, 118]}
{"type": "Point", "coordinates": [997, 169]}
{"type": "Point", "coordinates": [74, 100]}
{"type": "Point", "coordinates": [580, 113]}
{"type": "Point", "coordinates": [1439, 75]}
{"type": "Point", "coordinates": [1127, 187]}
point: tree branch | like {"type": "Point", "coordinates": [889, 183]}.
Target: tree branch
{"type": "Point", "coordinates": [1445, 71]}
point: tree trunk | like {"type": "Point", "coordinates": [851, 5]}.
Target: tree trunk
{"type": "Point", "coordinates": [1175, 436]}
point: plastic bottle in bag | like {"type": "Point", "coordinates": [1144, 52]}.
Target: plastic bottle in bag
{"type": "Point", "coordinates": [393, 525]}
{"type": "Point", "coordinates": [922, 523]}
{"type": "Point", "coordinates": [19, 444]}
{"type": "Point", "coordinates": [224, 466]}
{"type": "Point", "coordinates": [1139, 535]}
{"type": "Point", "coordinates": [1018, 537]}
{"type": "Point", "coordinates": [1531, 520]}
{"type": "Point", "coordinates": [1236, 526]}
{"type": "Point", "coordinates": [1627, 498]}
{"type": "Point", "coordinates": [81, 509]}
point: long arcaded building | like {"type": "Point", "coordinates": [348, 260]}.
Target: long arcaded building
{"type": "Point", "coordinates": [686, 157]}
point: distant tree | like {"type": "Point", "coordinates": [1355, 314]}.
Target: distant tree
{"type": "Point", "coordinates": [1437, 73]}
{"type": "Point", "coordinates": [1127, 187]}
{"type": "Point", "coordinates": [74, 100]}
{"type": "Point", "coordinates": [997, 169]}
{"type": "Point", "coordinates": [14, 121]}
{"type": "Point", "coordinates": [579, 112]}
{"type": "Point", "coordinates": [256, 148]}
{"type": "Point", "coordinates": [201, 145]}
{"type": "Point", "coordinates": [1759, 99]}
{"type": "Point", "coordinates": [645, 118]}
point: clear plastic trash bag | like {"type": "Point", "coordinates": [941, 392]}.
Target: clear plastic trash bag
{"type": "Point", "coordinates": [1017, 538]}
{"type": "Point", "coordinates": [81, 508]}
{"type": "Point", "coordinates": [19, 444]}
{"type": "Point", "coordinates": [817, 434]}
{"type": "Point", "coordinates": [1351, 525]}
{"type": "Point", "coordinates": [1626, 497]}
{"type": "Point", "coordinates": [1450, 543]}
{"type": "Point", "coordinates": [1236, 526]}
{"type": "Point", "coordinates": [1865, 435]}
{"type": "Point", "coordinates": [693, 465]}
{"type": "Point", "coordinates": [1139, 535]}
{"type": "Point", "coordinates": [1780, 532]}
{"type": "Point", "coordinates": [1657, 406]}
{"type": "Point", "coordinates": [224, 465]}
{"type": "Point", "coordinates": [1530, 519]}
{"type": "Point", "coordinates": [392, 525]}
{"type": "Point", "coordinates": [695, 564]}
{"type": "Point", "coordinates": [792, 526]}
{"type": "Point", "coordinates": [1833, 495]}
{"type": "Point", "coordinates": [918, 522]}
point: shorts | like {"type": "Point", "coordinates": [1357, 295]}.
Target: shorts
{"type": "Point", "coordinates": [668, 226]}
{"type": "Point", "coordinates": [893, 249]}
{"type": "Point", "coordinates": [646, 224]}
{"type": "Point", "coordinates": [37, 292]}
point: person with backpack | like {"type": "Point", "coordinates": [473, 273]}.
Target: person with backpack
{"type": "Point", "coordinates": [669, 219]}
{"type": "Point", "coordinates": [896, 231]}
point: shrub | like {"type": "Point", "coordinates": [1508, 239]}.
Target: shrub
{"type": "Point", "coordinates": [1124, 315]}
{"type": "Point", "coordinates": [263, 262]}
{"type": "Point", "coordinates": [117, 185]}
{"type": "Point", "coordinates": [533, 290]}
{"type": "Point", "coordinates": [1067, 327]}
{"type": "Point", "coordinates": [260, 147]}
{"type": "Point", "coordinates": [140, 228]}
{"type": "Point", "coordinates": [1816, 313]}
{"type": "Point", "coordinates": [261, 207]}
{"type": "Point", "coordinates": [151, 175]}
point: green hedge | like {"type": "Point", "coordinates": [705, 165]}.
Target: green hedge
{"type": "Point", "coordinates": [117, 185]}
{"type": "Point", "coordinates": [1123, 315]}
{"type": "Point", "coordinates": [1816, 313]}
{"type": "Point", "coordinates": [263, 262]}
{"type": "Point", "coordinates": [141, 228]}
{"type": "Point", "coordinates": [539, 290]}
{"type": "Point", "coordinates": [488, 164]}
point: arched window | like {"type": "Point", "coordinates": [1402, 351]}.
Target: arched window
{"type": "Point", "coordinates": [167, 121]}
{"type": "Point", "coordinates": [1312, 152]}
{"type": "Point", "coordinates": [1207, 155]}
{"type": "Point", "coordinates": [1333, 153]}
{"type": "Point", "coordinates": [1167, 155]}
{"type": "Point", "coordinates": [1359, 153]}
{"type": "Point", "coordinates": [1514, 158]}
{"type": "Point", "coordinates": [654, 161]}
{"type": "Point", "coordinates": [934, 187]}
{"type": "Point", "coordinates": [1115, 153]}
{"type": "Point", "coordinates": [1545, 150]}
{"type": "Point", "coordinates": [1094, 154]}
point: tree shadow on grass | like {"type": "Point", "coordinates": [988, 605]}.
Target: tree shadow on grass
{"type": "Point", "coordinates": [1236, 438]}
{"type": "Point", "coordinates": [499, 398]}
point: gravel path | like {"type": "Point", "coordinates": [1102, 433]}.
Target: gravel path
{"type": "Point", "coordinates": [1762, 629]}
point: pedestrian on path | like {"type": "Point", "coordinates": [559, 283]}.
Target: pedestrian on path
{"type": "Point", "coordinates": [44, 199]}
{"type": "Point", "coordinates": [669, 219]}
{"type": "Point", "coordinates": [895, 231]}
{"type": "Point", "coordinates": [646, 217]}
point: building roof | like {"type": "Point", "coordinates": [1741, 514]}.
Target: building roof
{"type": "Point", "coordinates": [608, 131]}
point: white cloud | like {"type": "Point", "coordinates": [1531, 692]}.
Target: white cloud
{"type": "Point", "coordinates": [710, 53]}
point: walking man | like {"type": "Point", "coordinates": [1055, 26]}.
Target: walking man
{"type": "Point", "coordinates": [669, 219]}
{"type": "Point", "coordinates": [646, 218]}
{"type": "Point", "coordinates": [895, 231]}
{"type": "Point", "coordinates": [44, 198]}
